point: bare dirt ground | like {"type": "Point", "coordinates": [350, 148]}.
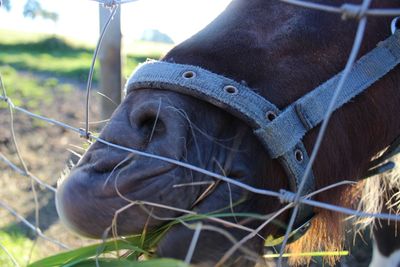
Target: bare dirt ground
{"type": "Point", "coordinates": [45, 149]}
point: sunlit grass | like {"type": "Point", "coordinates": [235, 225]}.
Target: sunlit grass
{"type": "Point", "coordinates": [59, 57]}
{"type": "Point", "coordinates": [11, 37]}
{"type": "Point", "coordinates": [28, 91]}
{"type": "Point", "coordinates": [19, 246]}
{"type": "Point", "coordinates": [308, 254]}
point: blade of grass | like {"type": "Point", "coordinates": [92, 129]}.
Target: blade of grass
{"type": "Point", "coordinates": [308, 254]}
{"type": "Point", "coordinates": [86, 252]}
{"type": "Point", "coordinates": [128, 263]}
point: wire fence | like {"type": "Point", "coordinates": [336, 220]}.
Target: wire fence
{"type": "Point", "coordinates": [347, 11]}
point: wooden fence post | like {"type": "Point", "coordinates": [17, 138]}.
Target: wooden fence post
{"type": "Point", "coordinates": [110, 62]}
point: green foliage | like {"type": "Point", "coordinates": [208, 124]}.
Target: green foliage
{"type": "Point", "coordinates": [18, 246]}
{"type": "Point", "coordinates": [5, 4]}
{"type": "Point", "coordinates": [126, 253]}
{"type": "Point", "coordinates": [32, 9]}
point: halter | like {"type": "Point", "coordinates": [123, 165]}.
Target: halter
{"type": "Point", "coordinates": [280, 131]}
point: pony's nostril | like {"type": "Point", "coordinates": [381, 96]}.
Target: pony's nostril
{"type": "Point", "coordinates": [151, 126]}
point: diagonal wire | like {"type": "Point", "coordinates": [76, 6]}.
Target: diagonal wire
{"type": "Point", "coordinates": [31, 226]}
{"type": "Point", "coordinates": [21, 160]}
{"type": "Point", "coordinates": [252, 234]}
{"type": "Point", "coordinates": [114, 8]}
{"type": "Point", "coordinates": [353, 55]}
{"type": "Point", "coordinates": [9, 255]}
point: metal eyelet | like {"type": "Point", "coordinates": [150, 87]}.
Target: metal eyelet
{"type": "Point", "coordinates": [189, 74]}
{"type": "Point", "coordinates": [270, 115]}
{"type": "Point", "coordinates": [230, 89]}
{"type": "Point", "coordinates": [298, 154]}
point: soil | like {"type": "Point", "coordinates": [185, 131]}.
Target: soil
{"type": "Point", "coordinates": [46, 150]}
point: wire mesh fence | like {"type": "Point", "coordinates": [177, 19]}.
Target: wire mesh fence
{"type": "Point", "coordinates": [359, 12]}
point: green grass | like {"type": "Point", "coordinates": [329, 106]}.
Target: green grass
{"type": "Point", "coordinates": [59, 57]}
{"type": "Point", "coordinates": [50, 56]}
{"type": "Point", "coordinates": [11, 37]}
{"type": "Point", "coordinates": [28, 91]}
{"type": "Point", "coordinates": [56, 59]}
{"type": "Point", "coordinates": [127, 252]}
{"type": "Point", "coordinates": [18, 246]}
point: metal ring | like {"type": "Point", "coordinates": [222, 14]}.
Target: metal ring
{"type": "Point", "coordinates": [189, 74]}
{"type": "Point", "coordinates": [230, 89]}
{"type": "Point", "coordinates": [298, 154]}
{"type": "Point", "coordinates": [394, 26]}
{"type": "Point", "coordinates": [270, 115]}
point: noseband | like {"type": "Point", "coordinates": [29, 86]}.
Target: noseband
{"type": "Point", "coordinates": [280, 131]}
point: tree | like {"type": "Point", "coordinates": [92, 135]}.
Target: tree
{"type": "Point", "coordinates": [32, 9]}
{"type": "Point", "coordinates": [154, 35]}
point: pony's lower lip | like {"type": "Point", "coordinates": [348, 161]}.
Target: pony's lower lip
{"type": "Point", "coordinates": [77, 213]}
{"type": "Point", "coordinates": [130, 179]}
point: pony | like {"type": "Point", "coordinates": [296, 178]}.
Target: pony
{"type": "Point", "coordinates": [281, 52]}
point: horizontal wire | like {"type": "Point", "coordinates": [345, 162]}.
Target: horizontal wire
{"type": "Point", "coordinates": [391, 12]}
{"type": "Point", "coordinates": [215, 175]}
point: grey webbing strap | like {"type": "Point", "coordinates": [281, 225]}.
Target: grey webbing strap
{"type": "Point", "coordinates": [288, 129]}
{"type": "Point", "coordinates": [231, 96]}
{"type": "Point", "coordinates": [210, 87]}
{"type": "Point", "coordinates": [282, 135]}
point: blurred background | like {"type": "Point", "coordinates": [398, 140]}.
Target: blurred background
{"type": "Point", "coordinates": [46, 49]}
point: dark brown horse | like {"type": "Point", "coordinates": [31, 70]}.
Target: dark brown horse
{"type": "Point", "coordinates": [282, 52]}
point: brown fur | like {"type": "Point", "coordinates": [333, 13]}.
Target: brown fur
{"type": "Point", "coordinates": [327, 230]}
{"type": "Point", "coordinates": [282, 52]}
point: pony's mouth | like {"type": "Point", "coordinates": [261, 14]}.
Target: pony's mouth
{"type": "Point", "coordinates": [88, 194]}
{"type": "Point", "coordinates": [132, 178]}
{"type": "Point", "coordinates": [119, 174]}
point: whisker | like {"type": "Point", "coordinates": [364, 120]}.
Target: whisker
{"type": "Point", "coordinates": [107, 97]}
{"type": "Point", "coordinates": [155, 121]}
{"type": "Point", "coordinates": [193, 184]}
{"type": "Point", "coordinates": [78, 147]}
{"type": "Point", "coordinates": [206, 193]}
{"type": "Point", "coordinates": [214, 139]}
{"type": "Point", "coordinates": [74, 153]}
{"type": "Point", "coordinates": [96, 122]}
{"type": "Point", "coordinates": [229, 189]}
{"type": "Point", "coordinates": [141, 204]}
{"type": "Point", "coordinates": [119, 164]}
